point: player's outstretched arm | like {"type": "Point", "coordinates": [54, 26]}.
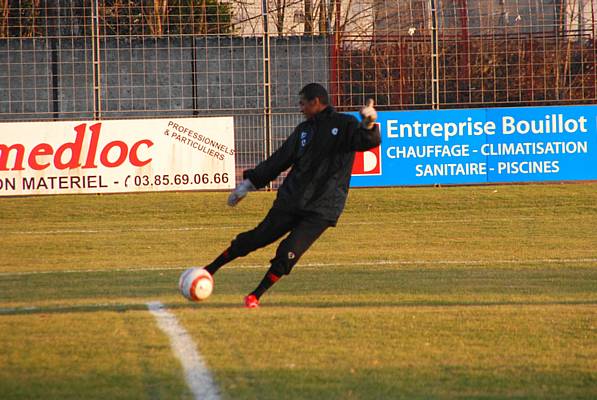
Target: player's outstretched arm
{"type": "Point", "coordinates": [269, 169]}
{"type": "Point", "coordinates": [266, 171]}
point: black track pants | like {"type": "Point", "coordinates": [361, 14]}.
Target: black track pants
{"type": "Point", "coordinates": [304, 231]}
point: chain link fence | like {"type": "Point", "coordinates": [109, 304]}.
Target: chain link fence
{"type": "Point", "coordinates": [102, 59]}
{"type": "Point", "coordinates": [471, 53]}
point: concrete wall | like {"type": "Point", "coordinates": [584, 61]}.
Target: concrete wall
{"type": "Point", "coordinates": [51, 79]}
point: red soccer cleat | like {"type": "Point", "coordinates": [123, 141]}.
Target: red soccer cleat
{"type": "Point", "coordinates": [251, 301]}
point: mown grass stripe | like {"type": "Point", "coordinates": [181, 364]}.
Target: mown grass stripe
{"type": "Point", "coordinates": [224, 227]}
{"type": "Point", "coordinates": [317, 265]}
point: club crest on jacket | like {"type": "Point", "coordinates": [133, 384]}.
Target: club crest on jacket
{"type": "Point", "coordinates": [303, 138]}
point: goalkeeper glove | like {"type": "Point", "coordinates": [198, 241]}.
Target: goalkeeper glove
{"type": "Point", "coordinates": [240, 192]}
{"type": "Point", "coordinates": [368, 115]}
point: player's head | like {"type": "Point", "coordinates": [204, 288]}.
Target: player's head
{"type": "Point", "coordinates": [313, 99]}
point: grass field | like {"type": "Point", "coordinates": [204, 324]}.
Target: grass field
{"type": "Point", "coordinates": [419, 293]}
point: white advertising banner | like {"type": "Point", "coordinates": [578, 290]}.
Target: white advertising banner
{"type": "Point", "coordinates": [116, 156]}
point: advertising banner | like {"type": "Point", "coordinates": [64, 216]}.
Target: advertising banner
{"type": "Point", "coordinates": [116, 156]}
{"type": "Point", "coordinates": [531, 144]}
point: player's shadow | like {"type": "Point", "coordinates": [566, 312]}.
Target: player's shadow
{"type": "Point", "coordinates": [85, 308]}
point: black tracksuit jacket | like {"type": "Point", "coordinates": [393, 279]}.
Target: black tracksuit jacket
{"type": "Point", "coordinates": [321, 153]}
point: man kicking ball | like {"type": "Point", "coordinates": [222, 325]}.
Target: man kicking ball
{"type": "Point", "coordinates": [320, 152]}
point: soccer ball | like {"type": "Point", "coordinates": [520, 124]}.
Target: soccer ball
{"type": "Point", "coordinates": [195, 284]}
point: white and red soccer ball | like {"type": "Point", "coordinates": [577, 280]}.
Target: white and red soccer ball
{"type": "Point", "coordinates": [196, 284]}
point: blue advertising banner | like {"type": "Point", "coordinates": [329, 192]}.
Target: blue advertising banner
{"type": "Point", "coordinates": [530, 144]}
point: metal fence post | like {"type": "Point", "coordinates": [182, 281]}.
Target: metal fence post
{"type": "Point", "coordinates": [95, 43]}
{"type": "Point", "coordinates": [434, 57]}
{"type": "Point", "coordinates": [267, 99]}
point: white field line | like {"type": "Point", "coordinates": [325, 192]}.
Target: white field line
{"type": "Point", "coordinates": [5, 232]}
{"type": "Point", "coordinates": [197, 375]}
{"type": "Point", "coordinates": [317, 265]}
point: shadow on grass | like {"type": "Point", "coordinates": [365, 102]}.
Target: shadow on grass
{"type": "Point", "coordinates": [90, 308]}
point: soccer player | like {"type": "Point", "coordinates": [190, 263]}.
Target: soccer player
{"type": "Point", "coordinates": [320, 152]}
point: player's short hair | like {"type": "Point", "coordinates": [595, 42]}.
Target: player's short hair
{"type": "Point", "coordinates": [315, 90]}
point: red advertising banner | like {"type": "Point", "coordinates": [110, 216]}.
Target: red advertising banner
{"type": "Point", "coordinates": [116, 156]}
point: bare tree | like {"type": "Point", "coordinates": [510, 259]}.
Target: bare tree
{"type": "Point", "coordinates": [279, 11]}
{"type": "Point", "coordinates": [155, 15]}
{"type": "Point", "coordinates": [280, 15]}
{"type": "Point", "coordinates": [308, 18]}
{"type": "Point", "coordinates": [323, 18]}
